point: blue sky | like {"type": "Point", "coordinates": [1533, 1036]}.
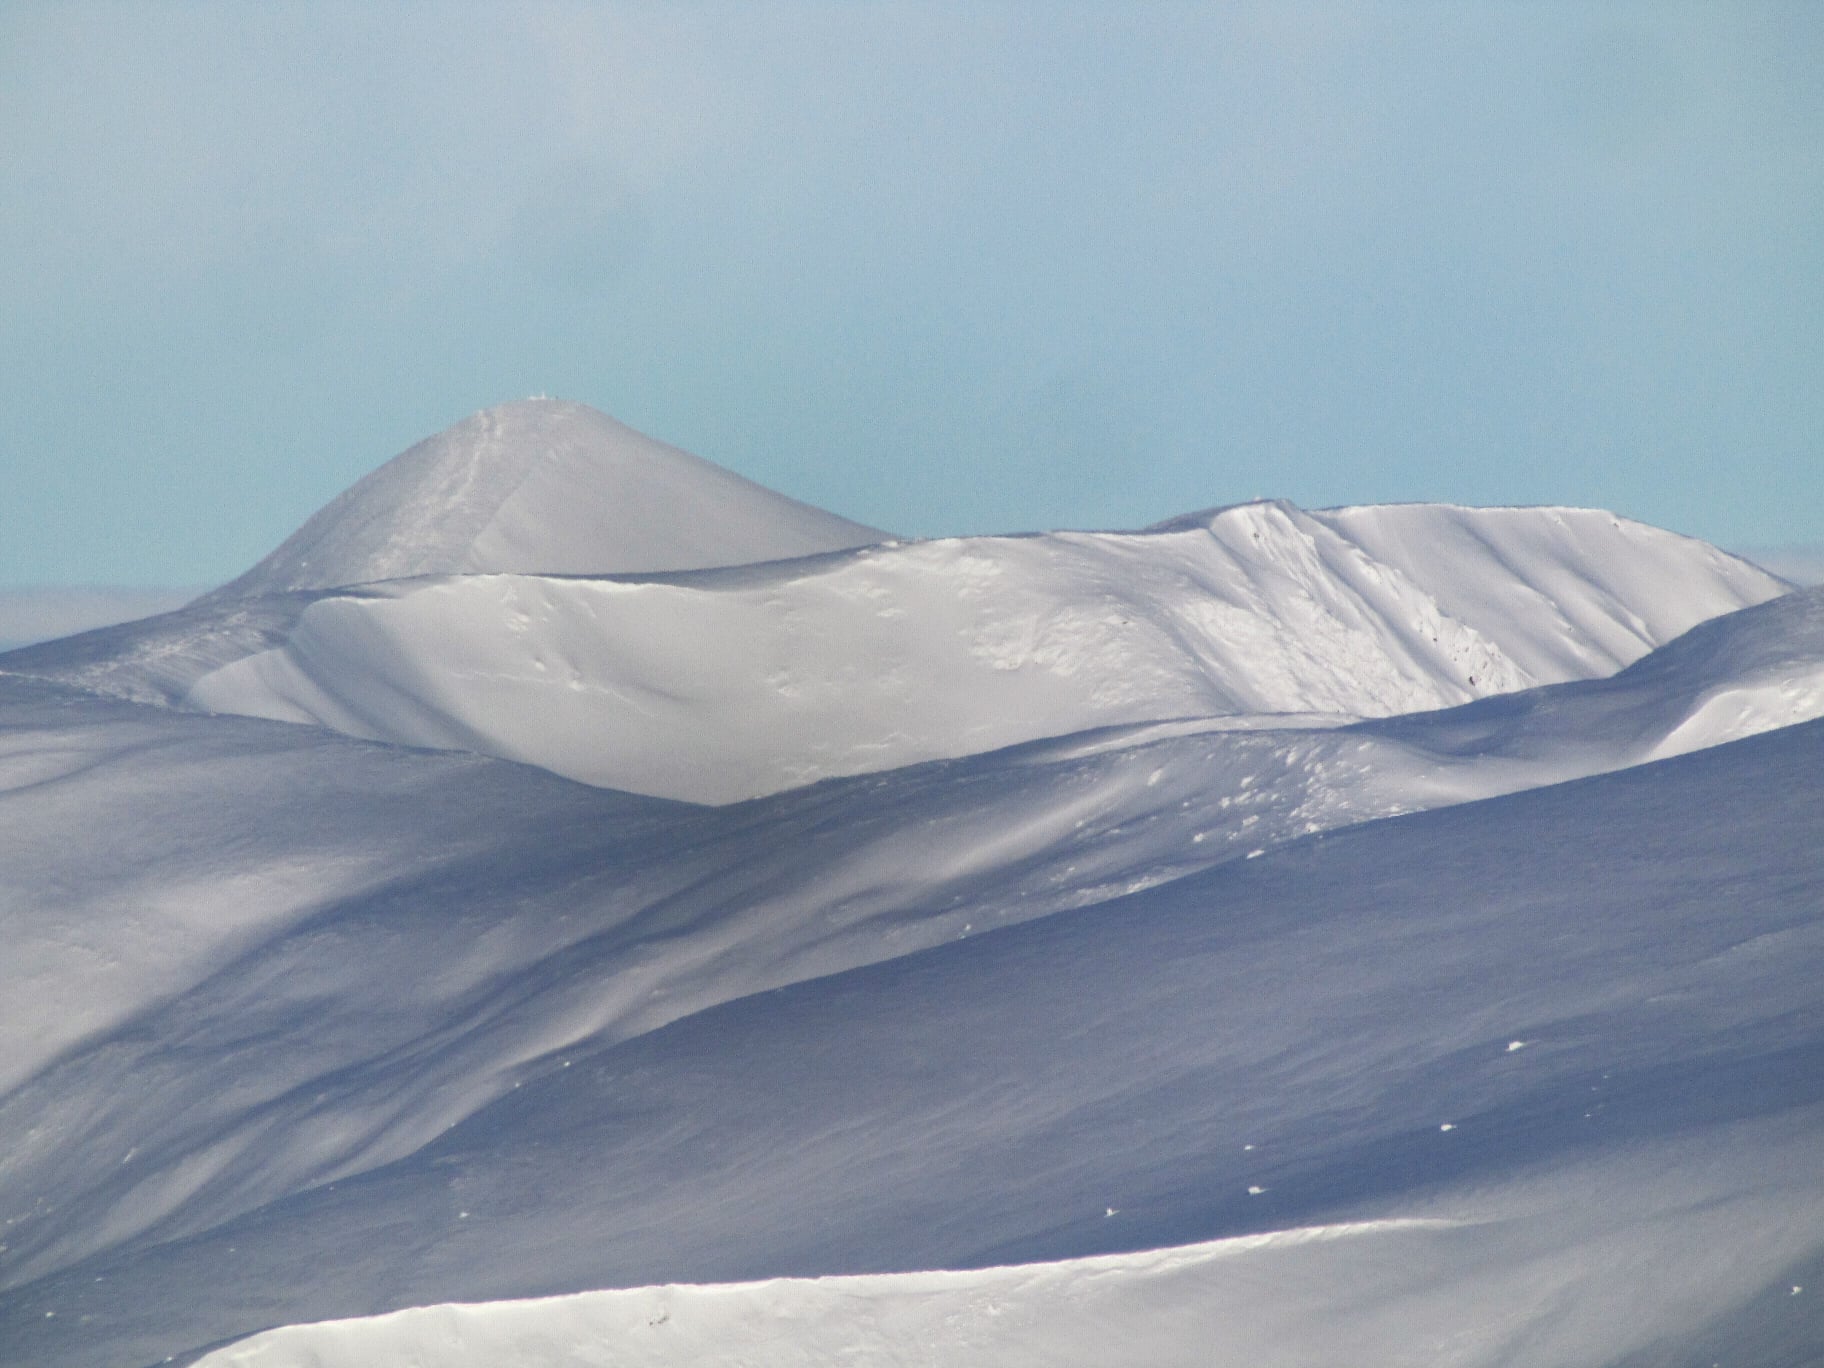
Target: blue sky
{"type": "Point", "coordinates": [943, 268]}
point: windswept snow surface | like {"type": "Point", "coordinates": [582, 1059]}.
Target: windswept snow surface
{"type": "Point", "coordinates": [285, 859]}
{"type": "Point", "coordinates": [1380, 935]}
{"type": "Point", "coordinates": [546, 487]}
{"type": "Point", "coordinates": [1591, 587]}
{"type": "Point", "coordinates": [1732, 677]}
{"type": "Point", "coordinates": [1332, 1024]}
{"type": "Point", "coordinates": [737, 683]}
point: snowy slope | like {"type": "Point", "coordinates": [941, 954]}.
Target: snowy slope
{"type": "Point", "coordinates": [279, 850]}
{"type": "Point", "coordinates": [1734, 676]}
{"type": "Point", "coordinates": [216, 878]}
{"type": "Point", "coordinates": [736, 683]}
{"type": "Point", "coordinates": [1264, 1301]}
{"type": "Point", "coordinates": [543, 486]}
{"type": "Point", "coordinates": [444, 921]}
{"type": "Point", "coordinates": [991, 1098]}
{"type": "Point", "coordinates": [858, 870]}
{"type": "Point", "coordinates": [1591, 585]}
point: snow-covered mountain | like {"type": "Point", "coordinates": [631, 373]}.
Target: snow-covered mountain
{"type": "Point", "coordinates": [733, 684]}
{"type": "Point", "coordinates": [736, 682]}
{"type": "Point", "coordinates": [543, 486]}
{"type": "Point", "coordinates": [1176, 891]}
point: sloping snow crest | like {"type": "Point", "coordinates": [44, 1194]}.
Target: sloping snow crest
{"type": "Point", "coordinates": [1470, 1291]}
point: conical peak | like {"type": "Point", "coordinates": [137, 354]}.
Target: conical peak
{"type": "Point", "coordinates": [524, 431]}
{"type": "Point", "coordinates": [543, 486]}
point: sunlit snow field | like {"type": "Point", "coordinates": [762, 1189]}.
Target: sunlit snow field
{"type": "Point", "coordinates": [571, 906]}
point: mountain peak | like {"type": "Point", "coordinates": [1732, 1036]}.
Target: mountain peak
{"type": "Point", "coordinates": [543, 486]}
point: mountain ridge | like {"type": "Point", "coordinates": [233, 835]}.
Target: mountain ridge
{"type": "Point", "coordinates": [724, 685]}
{"type": "Point", "coordinates": [543, 584]}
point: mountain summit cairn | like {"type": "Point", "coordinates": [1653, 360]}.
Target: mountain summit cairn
{"type": "Point", "coordinates": [543, 486]}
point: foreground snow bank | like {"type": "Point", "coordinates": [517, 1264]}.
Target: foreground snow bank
{"type": "Point", "coordinates": [1667, 1255]}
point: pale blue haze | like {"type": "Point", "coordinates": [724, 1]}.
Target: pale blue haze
{"type": "Point", "coordinates": [940, 268]}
